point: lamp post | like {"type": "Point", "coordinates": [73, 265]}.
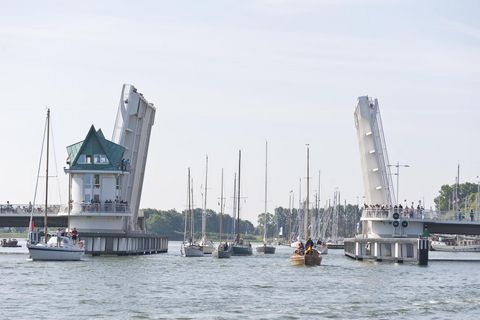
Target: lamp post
{"type": "Point", "coordinates": [398, 165]}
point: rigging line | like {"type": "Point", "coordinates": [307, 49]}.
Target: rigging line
{"type": "Point", "coordinates": [55, 157]}
{"type": "Point", "coordinates": [39, 163]}
{"type": "Point", "coordinates": [38, 175]}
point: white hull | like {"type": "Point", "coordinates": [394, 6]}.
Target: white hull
{"type": "Point", "coordinates": [207, 248]}
{"type": "Point", "coordinates": [295, 244]}
{"type": "Point", "coordinates": [43, 253]}
{"type": "Point", "coordinates": [323, 249]}
{"type": "Point", "coordinates": [191, 251]}
{"type": "Point", "coordinates": [441, 246]}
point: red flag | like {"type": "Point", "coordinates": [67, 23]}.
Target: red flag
{"type": "Point", "coordinates": [32, 225]}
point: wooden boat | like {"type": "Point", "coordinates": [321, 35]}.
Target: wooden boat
{"type": "Point", "coordinates": [223, 250]}
{"type": "Point", "coordinates": [10, 243]}
{"type": "Point", "coordinates": [311, 256]}
{"type": "Point", "coordinates": [313, 259]}
{"type": "Point", "coordinates": [266, 248]}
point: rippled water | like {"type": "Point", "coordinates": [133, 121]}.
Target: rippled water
{"type": "Point", "coordinates": [256, 287]}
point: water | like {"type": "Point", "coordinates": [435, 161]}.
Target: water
{"type": "Point", "coordinates": [167, 286]}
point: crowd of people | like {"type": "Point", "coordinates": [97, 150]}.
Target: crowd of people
{"type": "Point", "coordinates": [384, 211]}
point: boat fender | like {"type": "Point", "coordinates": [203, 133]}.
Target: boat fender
{"type": "Point", "coordinates": [404, 224]}
{"type": "Point", "coordinates": [396, 216]}
{"type": "Point", "coordinates": [396, 223]}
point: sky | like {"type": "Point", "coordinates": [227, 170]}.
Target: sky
{"type": "Point", "coordinates": [229, 75]}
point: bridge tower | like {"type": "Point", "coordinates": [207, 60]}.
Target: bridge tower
{"type": "Point", "coordinates": [106, 177]}
{"type": "Point", "coordinates": [135, 118]}
{"type": "Point", "coordinates": [377, 179]}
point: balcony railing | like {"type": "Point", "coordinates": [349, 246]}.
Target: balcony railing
{"type": "Point", "coordinates": [114, 207]}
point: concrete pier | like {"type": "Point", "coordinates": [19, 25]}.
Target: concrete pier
{"type": "Point", "coordinates": [399, 250]}
{"type": "Point", "coordinates": [98, 244]}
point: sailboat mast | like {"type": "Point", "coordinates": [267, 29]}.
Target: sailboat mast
{"type": "Point", "coordinates": [204, 213]}
{"type": "Point", "coordinates": [221, 208]}
{"type": "Point", "coordinates": [46, 175]}
{"type": "Point", "coordinates": [187, 211]}
{"type": "Point", "coordinates": [265, 210]}
{"type": "Point", "coordinates": [192, 218]}
{"type": "Point", "coordinates": [234, 202]}
{"type": "Point", "coordinates": [238, 193]}
{"type": "Point", "coordinates": [307, 214]}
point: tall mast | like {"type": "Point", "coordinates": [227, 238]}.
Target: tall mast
{"type": "Point", "coordinates": [318, 207]}
{"type": "Point", "coordinates": [204, 213]}
{"type": "Point", "coordinates": [238, 194]}
{"type": "Point", "coordinates": [265, 211]}
{"type": "Point", "coordinates": [192, 230]}
{"type": "Point", "coordinates": [187, 211]}
{"type": "Point", "coordinates": [307, 213]}
{"type": "Point", "coordinates": [221, 208]}
{"type": "Point", "coordinates": [234, 202]}
{"type": "Point", "coordinates": [46, 175]}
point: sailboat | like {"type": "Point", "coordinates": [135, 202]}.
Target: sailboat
{"type": "Point", "coordinates": [265, 248]}
{"type": "Point", "coordinates": [240, 246]}
{"type": "Point", "coordinates": [55, 248]}
{"type": "Point", "coordinates": [207, 246]}
{"type": "Point", "coordinates": [190, 248]}
{"type": "Point", "coordinates": [223, 250]}
{"type": "Point", "coordinates": [308, 256]}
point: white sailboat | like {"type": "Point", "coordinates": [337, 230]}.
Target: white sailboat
{"type": "Point", "coordinates": [57, 248]}
{"type": "Point", "coordinates": [223, 250]}
{"type": "Point", "coordinates": [189, 247]}
{"type": "Point", "coordinates": [207, 245]}
{"type": "Point", "coordinates": [266, 248]}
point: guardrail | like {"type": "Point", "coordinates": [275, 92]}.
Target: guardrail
{"type": "Point", "coordinates": [76, 208]}
{"type": "Point", "coordinates": [382, 213]}
{"type": "Point", "coordinates": [28, 209]}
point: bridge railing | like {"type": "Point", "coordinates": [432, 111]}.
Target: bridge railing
{"type": "Point", "coordinates": [406, 214]}
{"type": "Point", "coordinates": [24, 209]}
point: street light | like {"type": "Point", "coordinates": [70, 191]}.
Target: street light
{"type": "Point", "coordinates": [398, 165]}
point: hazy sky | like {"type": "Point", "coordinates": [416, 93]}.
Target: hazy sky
{"type": "Point", "coordinates": [227, 75]}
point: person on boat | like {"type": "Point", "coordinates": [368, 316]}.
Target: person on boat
{"type": "Point", "coordinates": [309, 243]}
{"type": "Point", "coordinates": [225, 247]}
{"type": "Point", "coordinates": [59, 237]}
{"type": "Point", "coordinates": [300, 249]}
{"type": "Point", "coordinates": [74, 235]}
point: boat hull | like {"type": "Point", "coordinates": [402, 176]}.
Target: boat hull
{"type": "Point", "coordinates": [266, 249]}
{"type": "Point", "coordinates": [208, 249]}
{"type": "Point", "coordinates": [42, 253]}
{"type": "Point", "coordinates": [191, 251]}
{"type": "Point", "coordinates": [438, 246]}
{"type": "Point", "coordinates": [241, 250]}
{"type": "Point", "coordinates": [306, 260]}
{"type": "Point", "coordinates": [222, 254]}
{"type": "Point", "coordinates": [322, 249]}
